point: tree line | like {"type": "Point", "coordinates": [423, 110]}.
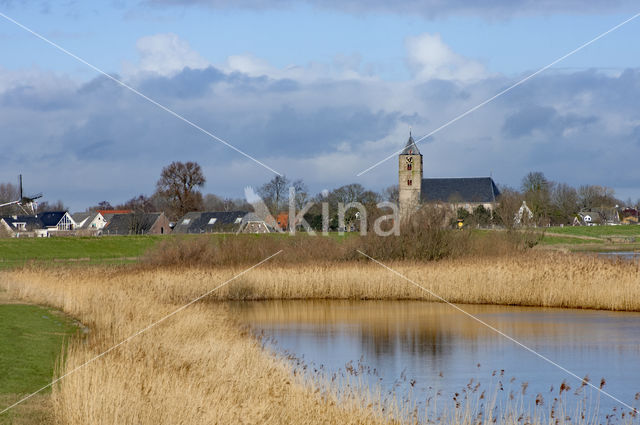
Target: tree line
{"type": "Point", "coordinates": [178, 191]}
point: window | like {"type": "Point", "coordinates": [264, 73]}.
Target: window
{"type": "Point", "coordinates": [238, 220]}
{"type": "Point", "coordinates": [186, 221]}
{"type": "Point", "coordinates": [65, 223]}
{"type": "Point", "coordinates": [212, 221]}
{"type": "Point", "coordinates": [21, 226]}
{"type": "Point", "coordinates": [408, 167]}
{"type": "Point", "coordinates": [409, 182]}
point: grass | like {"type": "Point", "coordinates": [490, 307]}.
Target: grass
{"type": "Point", "coordinates": [19, 251]}
{"type": "Point", "coordinates": [31, 339]}
{"type": "Point", "coordinates": [66, 251]}
{"type": "Point", "coordinates": [567, 240]}
{"type": "Point", "coordinates": [597, 231]}
{"type": "Point", "coordinates": [201, 366]}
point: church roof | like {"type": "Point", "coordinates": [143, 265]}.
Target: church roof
{"type": "Point", "coordinates": [410, 148]}
{"type": "Point", "coordinates": [465, 189]}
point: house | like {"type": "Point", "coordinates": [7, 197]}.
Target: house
{"type": "Point", "coordinates": [89, 221]}
{"type": "Point", "coordinates": [41, 225]}
{"type": "Point", "coordinates": [629, 216]}
{"type": "Point", "coordinates": [108, 214]}
{"type": "Point", "coordinates": [252, 223]}
{"type": "Point", "coordinates": [22, 226]}
{"type": "Point", "coordinates": [210, 222]}
{"type": "Point", "coordinates": [456, 192]}
{"type": "Point", "coordinates": [137, 224]}
{"type": "Point", "coordinates": [597, 216]}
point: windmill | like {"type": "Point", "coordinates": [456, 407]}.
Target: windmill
{"type": "Point", "coordinates": [24, 202]}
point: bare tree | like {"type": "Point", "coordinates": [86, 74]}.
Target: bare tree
{"type": "Point", "coordinates": [275, 193]}
{"type": "Point", "coordinates": [51, 206]}
{"type": "Point", "coordinates": [9, 192]}
{"type": "Point", "coordinates": [214, 202]}
{"type": "Point", "coordinates": [178, 184]}
{"type": "Point", "coordinates": [537, 192]}
{"type": "Point", "coordinates": [140, 203]}
{"type": "Point", "coordinates": [391, 194]}
{"type": "Point", "coordinates": [302, 193]}
{"type": "Point", "coordinates": [103, 205]}
{"type": "Point", "coordinates": [591, 196]}
{"type": "Point", "coordinates": [509, 203]}
{"type": "Point", "coordinates": [565, 203]}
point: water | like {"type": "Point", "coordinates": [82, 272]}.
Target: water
{"type": "Point", "coordinates": [419, 347]}
{"type": "Point", "coordinates": [627, 255]}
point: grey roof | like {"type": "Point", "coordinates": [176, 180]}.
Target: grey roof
{"type": "Point", "coordinates": [128, 224]}
{"type": "Point", "coordinates": [199, 222]}
{"type": "Point", "coordinates": [465, 189]}
{"type": "Point", "coordinates": [410, 148]}
{"type": "Point", "coordinates": [79, 216]}
{"type": "Point", "coordinates": [84, 219]}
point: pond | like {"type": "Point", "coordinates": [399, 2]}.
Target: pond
{"type": "Point", "coordinates": [419, 348]}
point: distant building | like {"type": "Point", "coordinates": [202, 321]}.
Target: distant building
{"type": "Point", "coordinates": [597, 216]}
{"type": "Point", "coordinates": [252, 223]}
{"type": "Point", "coordinates": [629, 216]}
{"type": "Point", "coordinates": [457, 192]}
{"type": "Point", "coordinates": [89, 221]}
{"type": "Point", "coordinates": [40, 225]}
{"type": "Point", "coordinates": [210, 222]}
{"type": "Point", "coordinates": [137, 224]}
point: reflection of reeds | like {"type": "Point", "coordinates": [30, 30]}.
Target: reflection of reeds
{"type": "Point", "coordinates": [201, 367]}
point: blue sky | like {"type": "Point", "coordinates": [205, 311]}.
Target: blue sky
{"type": "Point", "coordinates": [318, 90]}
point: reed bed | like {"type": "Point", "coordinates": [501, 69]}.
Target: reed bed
{"type": "Point", "coordinates": [202, 366]}
{"type": "Point", "coordinates": [534, 278]}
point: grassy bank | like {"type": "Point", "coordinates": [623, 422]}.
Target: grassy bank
{"type": "Point", "coordinates": [201, 366]}
{"type": "Point", "coordinates": [31, 339]}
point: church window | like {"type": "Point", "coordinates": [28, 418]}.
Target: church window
{"type": "Point", "coordinates": [409, 167]}
{"type": "Point", "coordinates": [409, 182]}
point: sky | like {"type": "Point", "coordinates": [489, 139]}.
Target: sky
{"type": "Point", "coordinates": [319, 90]}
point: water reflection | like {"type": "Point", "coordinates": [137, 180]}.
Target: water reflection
{"type": "Point", "coordinates": [437, 348]}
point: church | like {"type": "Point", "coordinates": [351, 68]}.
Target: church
{"type": "Point", "coordinates": [458, 192]}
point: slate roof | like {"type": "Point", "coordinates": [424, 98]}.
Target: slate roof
{"type": "Point", "coordinates": [465, 189]}
{"type": "Point", "coordinates": [31, 222]}
{"type": "Point", "coordinates": [79, 216]}
{"type": "Point", "coordinates": [127, 224]}
{"type": "Point", "coordinates": [51, 218]}
{"type": "Point", "coordinates": [199, 222]}
{"type": "Point", "coordinates": [84, 219]}
{"type": "Point", "coordinates": [410, 148]}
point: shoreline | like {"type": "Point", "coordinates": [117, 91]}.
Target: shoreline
{"type": "Point", "coordinates": [172, 372]}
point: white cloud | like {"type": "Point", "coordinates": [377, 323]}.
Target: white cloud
{"type": "Point", "coordinates": [429, 57]}
{"type": "Point", "coordinates": [165, 54]}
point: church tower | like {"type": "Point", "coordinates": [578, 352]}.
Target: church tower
{"type": "Point", "coordinates": [409, 178]}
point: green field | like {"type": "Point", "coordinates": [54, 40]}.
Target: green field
{"type": "Point", "coordinates": [567, 240]}
{"type": "Point", "coordinates": [16, 251]}
{"type": "Point", "coordinates": [597, 231]}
